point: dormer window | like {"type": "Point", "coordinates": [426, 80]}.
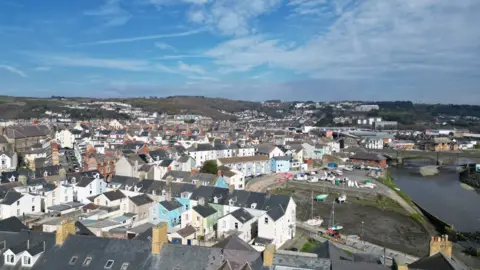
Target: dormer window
{"type": "Point", "coordinates": [10, 259]}
{"type": "Point", "coordinates": [230, 202]}
{"type": "Point", "coordinates": [254, 205]}
{"type": "Point", "coordinates": [215, 200]}
{"type": "Point", "coordinates": [109, 264]}
{"type": "Point", "coordinates": [27, 260]}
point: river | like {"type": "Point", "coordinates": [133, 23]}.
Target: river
{"type": "Point", "coordinates": [442, 196]}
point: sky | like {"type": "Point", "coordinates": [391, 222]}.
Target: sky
{"type": "Point", "coordinates": [324, 50]}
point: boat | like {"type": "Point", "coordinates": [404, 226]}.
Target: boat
{"type": "Point", "coordinates": [356, 184]}
{"type": "Point", "coordinates": [332, 227]}
{"type": "Point", "coordinates": [313, 180]}
{"type": "Point", "coordinates": [331, 177]}
{"type": "Point", "coordinates": [342, 199]}
{"type": "Point", "coordinates": [335, 228]}
{"type": "Point", "coordinates": [348, 168]}
{"type": "Point", "coordinates": [316, 221]}
{"type": "Point", "coordinates": [321, 197]}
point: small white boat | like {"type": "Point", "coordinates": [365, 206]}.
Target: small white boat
{"type": "Point", "coordinates": [314, 221]}
{"type": "Point", "coordinates": [313, 180]}
{"type": "Point", "coordinates": [338, 172]}
{"type": "Point", "coordinates": [356, 184]}
{"type": "Point", "coordinates": [348, 168]}
{"type": "Point", "coordinates": [331, 177]}
{"type": "Point", "coordinates": [342, 199]}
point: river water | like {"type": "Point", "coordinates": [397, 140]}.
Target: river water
{"type": "Point", "coordinates": [442, 196]}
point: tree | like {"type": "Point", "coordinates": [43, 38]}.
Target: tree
{"type": "Point", "coordinates": [477, 146]}
{"type": "Point", "coordinates": [209, 166]}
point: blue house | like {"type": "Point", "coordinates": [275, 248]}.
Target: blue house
{"type": "Point", "coordinates": [221, 183]}
{"type": "Point", "coordinates": [280, 164]}
{"type": "Point", "coordinates": [167, 211]}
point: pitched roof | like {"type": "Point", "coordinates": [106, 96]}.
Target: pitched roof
{"type": "Point", "coordinates": [11, 197]}
{"type": "Point", "coordinates": [188, 230]}
{"type": "Point", "coordinates": [233, 242]}
{"type": "Point", "coordinates": [328, 250]}
{"type": "Point", "coordinates": [241, 215]}
{"type": "Point", "coordinates": [276, 212]}
{"type": "Point", "coordinates": [141, 199]}
{"type": "Point", "coordinates": [12, 224]}
{"type": "Point", "coordinates": [233, 160]}
{"type": "Point", "coordinates": [438, 261]}
{"type": "Point", "coordinates": [204, 210]}
{"type": "Point", "coordinates": [114, 195]}
{"type": "Point", "coordinates": [171, 205]}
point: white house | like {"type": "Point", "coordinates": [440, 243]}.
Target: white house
{"type": "Point", "coordinates": [87, 187]}
{"type": "Point", "coordinates": [233, 177]}
{"type": "Point", "coordinates": [17, 204]}
{"type": "Point", "coordinates": [373, 142]}
{"type": "Point", "coordinates": [238, 222]}
{"type": "Point", "coordinates": [115, 124]}
{"type": "Point", "coordinates": [8, 161]}
{"type": "Point", "coordinates": [277, 225]}
{"type": "Point", "coordinates": [202, 152]}
{"type": "Point", "coordinates": [26, 253]}
{"type": "Point", "coordinates": [248, 166]}
{"type": "Point", "coordinates": [110, 198]}
{"type": "Point", "coordinates": [65, 138]}
{"type": "Point", "coordinates": [269, 150]}
{"type": "Point", "coordinates": [62, 194]}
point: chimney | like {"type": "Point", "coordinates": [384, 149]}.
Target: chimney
{"type": "Point", "coordinates": [159, 237]}
{"type": "Point", "coordinates": [195, 145]}
{"type": "Point", "coordinates": [198, 184]}
{"type": "Point", "coordinates": [219, 173]}
{"type": "Point", "coordinates": [65, 228]}
{"type": "Point", "coordinates": [268, 254]}
{"type": "Point", "coordinates": [398, 264]}
{"type": "Point", "coordinates": [231, 189]}
{"type": "Point", "coordinates": [201, 201]}
{"type": "Point", "coordinates": [441, 244]}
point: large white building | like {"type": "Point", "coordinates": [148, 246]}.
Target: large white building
{"type": "Point", "coordinates": [8, 161]}
{"type": "Point", "coordinates": [15, 204]}
{"type": "Point", "coordinates": [248, 166]}
{"type": "Point", "coordinates": [65, 138]}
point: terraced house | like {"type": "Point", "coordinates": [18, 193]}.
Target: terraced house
{"type": "Point", "coordinates": [22, 137]}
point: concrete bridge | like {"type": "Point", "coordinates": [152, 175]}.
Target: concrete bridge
{"type": "Point", "coordinates": [446, 158]}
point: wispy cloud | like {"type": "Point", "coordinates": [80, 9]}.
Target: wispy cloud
{"type": "Point", "coordinates": [110, 14]}
{"type": "Point", "coordinates": [371, 39]}
{"type": "Point", "coordinates": [232, 17]}
{"type": "Point", "coordinates": [181, 56]}
{"type": "Point", "coordinates": [164, 46]}
{"type": "Point", "coordinates": [308, 7]}
{"type": "Point", "coordinates": [141, 38]}
{"type": "Point", "coordinates": [14, 70]}
{"type": "Point", "coordinates": [191, 68]}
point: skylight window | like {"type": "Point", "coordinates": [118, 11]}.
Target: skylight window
{"type": "Point", "coordinates": [73, 260]}
{"type": "Point", "coordinates": [109, 264]}
{"type": "Point", "coordinates": [87, 261]}
{"type": "Point", "coordinates": [124, 266]}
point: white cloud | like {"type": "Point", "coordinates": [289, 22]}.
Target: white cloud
{"type": "Point", "coordinates": [232, 17]}
{"type": "Point", "coordinates": [13, 70]}
{"type": "Point", "coordinates": [171, 2]}
{"type": "Point", "coordinates": [110, 14]}
{"type": "Point", "coordinates": [307, 7]}
{"type": "Point", "coordinates": [164, 46]}
{"type": "Point", "coordinates": [180, 56]}
{"type": "Point", "coordinates": [141, 38]}
{"type": "Point", "coordinates": [203, 78]}
{"type": "Point", "coordinates": [370, 38]}
{"type": "Point", "coordinates": [190, 68]}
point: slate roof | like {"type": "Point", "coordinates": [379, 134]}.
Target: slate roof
{"type": "Point", "coordinates": [241, 215]}
{"type": "Point", "coordinates": [166, 163]}
{"type": "Point", "coordinates": [204, 210]}
{"type": "Point", "coordinates": [276, 212]}
{"type": "Point", "coordinates": [11, 197]}
{"type": "Point", "coordinates": [171, 205]}
{"type": "Point", "coordinates": [83, 181]}
{"type": "Point", "coordinates": [161, 154]}
{"type": "Point", "coordinates": [234, 160]}
{"type": "Point", "coordinates": [187, 231]}
{"type": "Point", "coordinates": [201, 147]}
{"type": "Point", "coordinates": [177, 175]}
{"type": "Point", "coordinates": [328, 250]}
{"type": "Point", "coordinates": [204, 177]}
{"type": "Point", "coordinates": [12, 224]}
{"type": "Point", "coordinates": [140, 200]}
{"type": "Point", "coordinates": [286, 158]}
{"type": "Point", "coordinates": [438, 261]}
{"type": "Point", "coordinates": [26, 131]}
{"type": "Point", "coordinates": [233, 242]}
{"type": "Point", "coordinates": [183, 159]}
{"type": "Point", "coordinates": [3, 139]}
{"type": "Point", "coordinates": [114, 195]}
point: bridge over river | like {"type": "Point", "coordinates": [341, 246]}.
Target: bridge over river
{"type": "Point", "coordinates": [445, 158]}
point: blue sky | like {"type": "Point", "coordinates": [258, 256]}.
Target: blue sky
{"type": "Point", "coordinates": [420, 50]}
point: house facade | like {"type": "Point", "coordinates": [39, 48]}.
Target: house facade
{"type": "Point", "coordinates": [63, 193]}
{"type": "Point", "coordinates": [277, 225]}
{"type": "Point", "coordinates": [65, 138]}
{"type": "Point", "coordinates": [238, 222]}
{"type": "Point", "coordinates": [8, 161]}
{"type": "Point", "coordinates": [248, 166]}
{"type": "Point", "coordinates": [169, 211]}
{"type": "Point", "coordinates": [15, 204]}
{"type": "Point", "coordinates": [280, 164]}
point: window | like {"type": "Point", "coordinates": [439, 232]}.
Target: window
{"type": "Point", "coordinates": [198, 218]}
{"type": "Point", "coordinates": [73, 260]}
{"type": "Point", "coordinates": [18, 202]}
{"type": "Point", "coordinates": [66, 198]}
{"type": "Point", "coordinates": [33, 208]}
{"type": "Point", "coordinates": [109, 264]}
{"type": "Point", "coordinates": [266, 220]}
{"type": "Point", "coordinates": [186, 206]}
{"type": "Point", "coordinates": [124, 266]}
{"type": "Point", "coordinates": [18, 212]}
{"type": "Point", "coordinates": [27, 260]}
{"type": "Point", "coordinates": [236, 225]}
{"type": "Point", "coordinates": [10, 259]}
{"type": "Point", "coordinates": [87, 261]}
{"type": "Point", "coordinates": [224, 224]}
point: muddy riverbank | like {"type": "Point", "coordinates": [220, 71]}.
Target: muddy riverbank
{"type": "Point", "coordinates": [385, 223]}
